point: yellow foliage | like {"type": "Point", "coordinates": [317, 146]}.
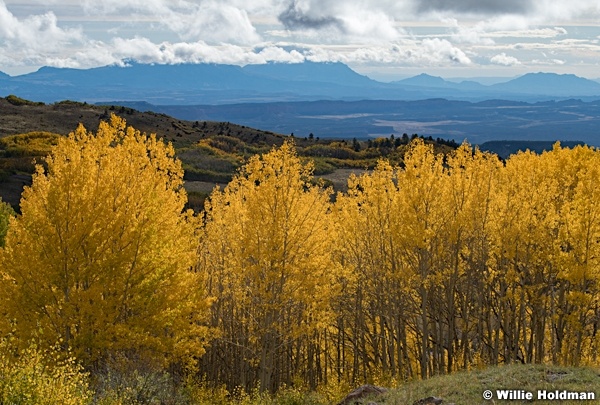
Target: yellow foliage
{"type": "Point", "coordinates": [101, 256]}
{"type": "Point", "coordinates": [445, 263]}
{"type": "Point", "coordinates": [267, 255]}
{"type": "Point", "coordinates": [29, 144]}
{"type": "Point", "coordinates": [6, 212]}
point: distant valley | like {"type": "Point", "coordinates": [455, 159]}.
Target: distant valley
{"type": "Point", "coordinates": [476, 122]}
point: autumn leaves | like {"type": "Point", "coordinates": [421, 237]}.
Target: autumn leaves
{"type": "Point", "coordinates": [100, 256]}
{"type": "Point", "coordinates": [446, 263]}
{"type": "Point", "coordinates": [267, 251]}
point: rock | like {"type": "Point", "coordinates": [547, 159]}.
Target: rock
{"type": "Point", "coordinates": [361, 392]}
{"type": "Point", "coordinates": [429, 401]}
{"type": "Point", "coordinates": [555, 375]}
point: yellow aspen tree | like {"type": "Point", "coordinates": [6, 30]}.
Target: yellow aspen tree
{"type": "Point", "coordinates": [472, 177]}
{"type": "Point", "coordinates": [424, 219]}
{"type": "Point", "coordinates": [413, 243]}
{"type": "Point", "coordinates": [577, 309]}
{"type": "Point", "coordinates": [267, 253]}
{"type": "Point", "coordinates": [522, 273]}
{"type": "Point", "coordinates": [100, 258]}
{"type": "Point", "coordinates": [371, 330]}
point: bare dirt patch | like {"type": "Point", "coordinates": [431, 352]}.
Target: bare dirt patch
{"type": "Point", "coordinates": [339, 177]}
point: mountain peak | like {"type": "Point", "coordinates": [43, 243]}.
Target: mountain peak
{"type": "Point", "coordinates": [549, 75]}
{"type": "Point", "coordinates": [425, 80]}
{"type": "Point", "coordinates": [331, 72]}
{"type": "Point", "coordinates": [551, 83]}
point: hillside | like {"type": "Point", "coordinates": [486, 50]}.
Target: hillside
{"type": "Point", "coordinates": [211, 151]}
{"type": "Point", "coordinates": [467, 388]}
{"type": "Point", "coordinates": [26, 128]}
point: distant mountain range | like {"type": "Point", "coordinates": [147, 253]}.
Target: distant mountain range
{"type": "Point", "coordinates": [189, 84]}
{"type": "Point", "coordinates": [529, 87]}
{"type": "Point", "coordinates": [332, 100]}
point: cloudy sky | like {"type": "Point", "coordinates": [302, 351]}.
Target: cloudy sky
{"type": "Point", "coordinates": [385, 39]}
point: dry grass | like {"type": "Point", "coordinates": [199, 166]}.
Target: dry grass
{"type": "Point", "coordinates": [467, 387]}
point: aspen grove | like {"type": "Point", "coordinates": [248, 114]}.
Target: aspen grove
{"type": "Point", "coordinates": [445, 263]}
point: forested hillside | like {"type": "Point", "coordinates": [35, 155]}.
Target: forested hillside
{"type": "Point", "coordinates": [211, 152]}
{"type": "Point", "coordinates": [445, 262]}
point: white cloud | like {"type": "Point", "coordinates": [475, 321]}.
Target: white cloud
{"type": "Point", "coordinates": [441, 50]}
{"type": "Point", "coordinates": [274, 53]}
{"type": "Point", "coordinates": [531, 33]}
{"type": "Point", "coordinates": [214, 22]}
{"type": "Point", "coordinates": [279, 33]}
{"type": "Point", "coordinates": [484, 32]}
{"type": "Point", "coordinates": [358, 21]}
{"type": "Point", "coordinates": [429, 52]}
{"type": "Point", "coordinates": [145, 51]}
{"type": "Point", "coordinates": [504, 60]}
{"type": "Point", "coordinates": [415, 33]}
{"type": "Point", "coordinates": [373, 26]}
{"type": "Point", "coordinates": [35, 33]}
{"type": "Point", "coordinates": [34, 39]}
{"type": "Point", "coordinates": [467, 34]}
{"type": "Point", "coordinates": [568, 46]}
{"type": "Point", "coordinates": [211, 21]}
{"type": "Point", "coordinates": [552, 10]}
{"type": "Point", "coordinates": [547, 62]}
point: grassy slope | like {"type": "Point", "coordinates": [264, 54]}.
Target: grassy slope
{"type": "Point", "coordinates": [460, 388]}
{"type": "Point", "coordinates": [468, 387]}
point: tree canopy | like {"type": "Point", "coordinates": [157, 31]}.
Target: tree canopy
{"type": "Point", "coordinates": [267, 253]}
{"type": "Point", "coordinates": [100, 258]}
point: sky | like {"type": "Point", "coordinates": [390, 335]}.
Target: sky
{"type": "Point", "coordinates": [384, 39]}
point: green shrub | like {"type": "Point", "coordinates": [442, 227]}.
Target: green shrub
{"type": "Point", "coordinates": [194, 174]}
{"type": "Point", "coordinates": [19, 164]}
{"type": "Point", "coordinates": [321, 166]}
{"type": "Point", "coordinates": [4, 174]}
{"type": "Point", "coordinates": [201, 392]}
{"type": "Point", "coordinates": [334, 150]}
{"type": "Point", "coordinates": [14, 100]}
{"type": "Point", "coordinates": [132, 384]}
{"type": "Point", "coordinates": [196, 200]}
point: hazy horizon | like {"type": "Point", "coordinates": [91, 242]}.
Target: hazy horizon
{"type": "Point", "coordinates": [374, 75]}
